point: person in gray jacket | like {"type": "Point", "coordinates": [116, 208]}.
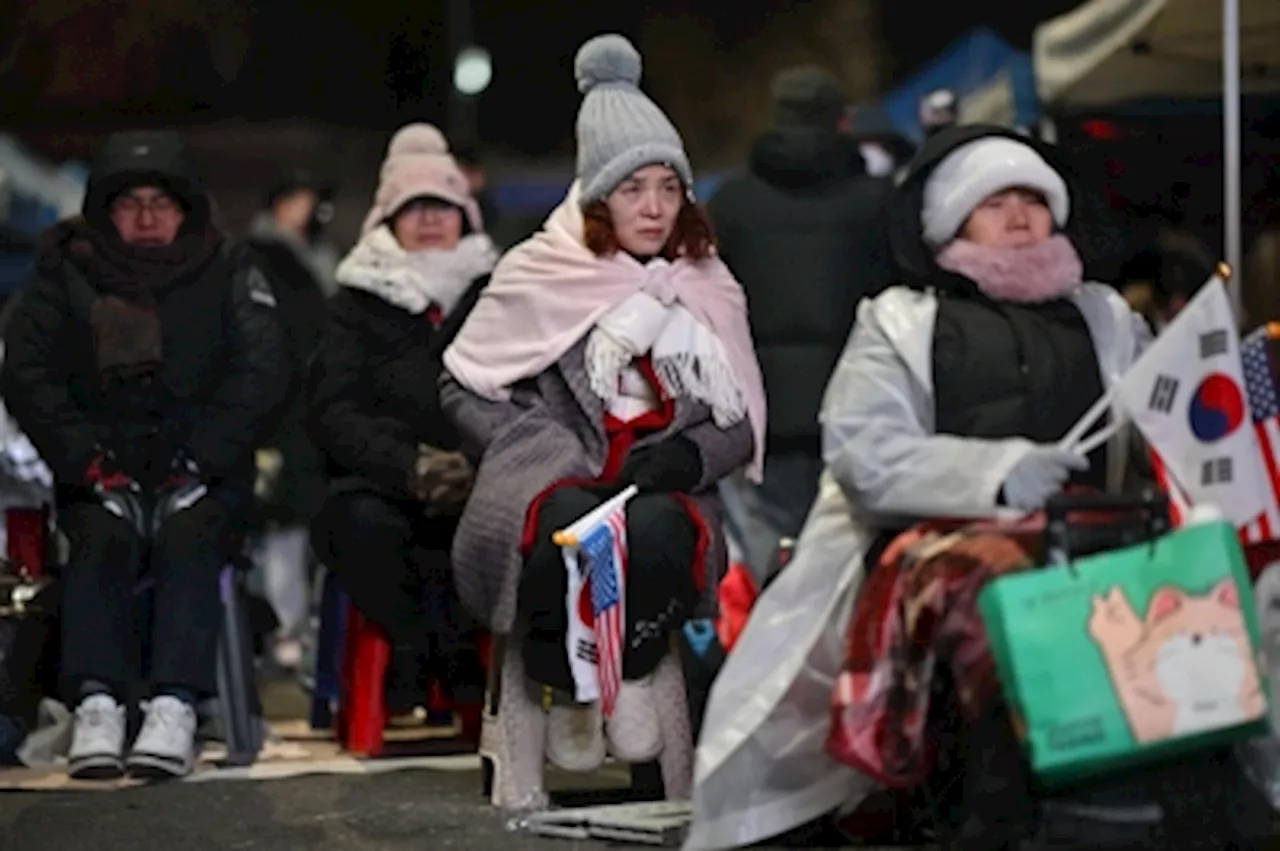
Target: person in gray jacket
{"type": "Point", "coordinates": [610, 349]}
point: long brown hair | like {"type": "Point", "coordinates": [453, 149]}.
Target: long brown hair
{"type": "Point", "coordinates": [692, 236]}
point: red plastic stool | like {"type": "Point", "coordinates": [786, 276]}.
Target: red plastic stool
{"type": "Point", "coordinates": [362, 708]}
{"type": "Point", "coordinates": [27, 538]}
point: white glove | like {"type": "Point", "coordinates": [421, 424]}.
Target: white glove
{"type": "Point", "coordinates": [1039, 475]}
{"type": "Point", "coordinates": [625, 332]}
{"type": "Point", "coordinates": [636, 322]}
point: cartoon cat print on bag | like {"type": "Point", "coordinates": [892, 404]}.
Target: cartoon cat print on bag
{"type": "Point", "coordinates": [1187, 668]}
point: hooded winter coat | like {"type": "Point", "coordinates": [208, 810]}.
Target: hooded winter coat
{"type": "Point", "coordinates": [803, 231]}
{"type": "Point", "coordinates": [762, 767]}
{"type": "Point", "coordinates": [374, 395]}
{"type": "Point", "coordinates": [225, 369]}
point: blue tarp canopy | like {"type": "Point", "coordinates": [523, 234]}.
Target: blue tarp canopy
{"type": "Point", "coordinates": [993, 81]}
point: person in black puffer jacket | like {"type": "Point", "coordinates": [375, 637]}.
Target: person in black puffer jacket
{"type": "Point", "coordinates": [805, 232]}
{"type": "Point", "coordinates": [398, 479]}
{"type": "Point", "coordinates": [145, 362]}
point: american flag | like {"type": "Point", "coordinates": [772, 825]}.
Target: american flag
{"type": "Point", "coordinates": [1264, 406]}
{"type": "Point", "coordinates": [1259, 369]}
{"type": "Point", "coordinates": [605, 548]}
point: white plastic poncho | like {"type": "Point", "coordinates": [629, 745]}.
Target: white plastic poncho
{"type": "Point", "coordinates": [762, 766]}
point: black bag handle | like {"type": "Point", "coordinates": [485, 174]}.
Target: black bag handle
{"type": "Point", "coordinates": [1152, 505]}
{"type": "Point", "coordinates": [1149, 500]}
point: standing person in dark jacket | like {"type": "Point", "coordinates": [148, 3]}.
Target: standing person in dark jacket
{"type": "Point", "coordinates": [145, 362]}
{"type": "Point", "coordinates": [472, 164]}
{"type": "Point", "coordinates": [885, 150]}
{"type": "Point", "coordinates": [291, 229]}
{"type": "Point", "coordinates": [398, 481]}
{"type": "Point", "coordinates": [287, 236]}
{"type": "Point", "coordinates": [804, 231]}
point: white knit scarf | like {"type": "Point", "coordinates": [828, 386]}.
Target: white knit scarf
{"type": "Point", "coordinates": [688, 359]}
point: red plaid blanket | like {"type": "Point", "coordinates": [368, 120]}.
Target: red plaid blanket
{"type": "Point", "coordinates": [917, 610]}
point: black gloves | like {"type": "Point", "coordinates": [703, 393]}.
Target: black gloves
{"type": "Point", "coordinates": [674, 465]}
{"type": "Point", "coordinates": [116, 490]}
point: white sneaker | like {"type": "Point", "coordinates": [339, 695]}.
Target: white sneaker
{"type": "Point", "coordinates": [633, 730]}
{"type": "Point", "coordinates": [575, 737]}
{"type": "Point", "coordinates": [166, 746]}
{"type": "Point", "coordinates": [97, 740]}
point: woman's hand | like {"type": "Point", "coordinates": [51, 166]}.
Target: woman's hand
{"type": "Point", "coordinates": [1040, 475]}
{"type": "Point", "coordinates": [442, 479]}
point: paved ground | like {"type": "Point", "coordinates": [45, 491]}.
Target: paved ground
{"type": "Point", "coordinates": [401, 810]}
{"type": "Point", "coordinates": [388, 812]}
{"type": "Point", "coordinates": [408, 809]}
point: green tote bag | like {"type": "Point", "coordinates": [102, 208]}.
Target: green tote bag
{"type": "Point", "coordinates": [1129, 656]}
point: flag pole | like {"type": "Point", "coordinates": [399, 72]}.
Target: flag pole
{"type": "Point", "coordinates": [1078, 431]}
{"type": "Point", "coordinates": [572, 535]}
{"type": "Point", "coordinates": [1231, 149]}
{"type": "Point", "coordinates": [1071, 440]}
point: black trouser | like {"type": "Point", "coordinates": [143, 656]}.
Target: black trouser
{"type": "Point", "coordinates": [102, 590]}
{"type": "Point", "coordinates": [661, 540]}
{"type": "Point", "coordinates": [394, 563]}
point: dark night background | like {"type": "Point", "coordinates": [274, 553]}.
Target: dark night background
{"type": "Point", "coordinates": [264, 85]}
{"type": "Point", "coordinates": [375, 64]}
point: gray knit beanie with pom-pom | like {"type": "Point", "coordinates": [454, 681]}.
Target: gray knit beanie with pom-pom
{"type": "Point", "coordinates": [619, 129]}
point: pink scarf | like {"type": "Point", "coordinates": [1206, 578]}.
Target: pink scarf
{"type": "Point", "coordinates": [550, 291]}
{"type": "Point", "coordinates": [1035, 273]}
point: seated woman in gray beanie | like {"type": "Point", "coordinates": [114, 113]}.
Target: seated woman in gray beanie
{"type": "Point", "coordinates": [948, 402]}
{"type": "Point", "coordinates": [611, 348]}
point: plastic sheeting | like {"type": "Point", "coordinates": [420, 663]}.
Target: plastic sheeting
{"type": "Point", "coordinates": [1109, 51]}
{"type": "Point", "coordinates": [25, 480]}
{"type": "Point", "coordinates": [798, 644]}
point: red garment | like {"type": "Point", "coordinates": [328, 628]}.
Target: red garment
{"type": "Point", "coordinates": [1259, 557]}
{"type": "Point", "coordinates": [622, 436]}
{"type": "Point", "coordinates": [738, 594]}
{"type": "Point", "coordinates": [917, 613]}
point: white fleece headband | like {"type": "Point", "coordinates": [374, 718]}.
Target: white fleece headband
{"type": "Point", "coordinates": [974, 172]}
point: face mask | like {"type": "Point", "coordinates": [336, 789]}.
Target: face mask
{"type": "Point", "coordinates": [879, 161]}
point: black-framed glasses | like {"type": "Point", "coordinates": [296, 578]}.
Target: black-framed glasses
{"type": "Point", "coordinates": [160, 205]}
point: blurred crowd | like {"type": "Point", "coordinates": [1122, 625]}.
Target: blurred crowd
{"type": "Point", "coordinates": [418, 413]}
